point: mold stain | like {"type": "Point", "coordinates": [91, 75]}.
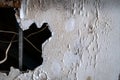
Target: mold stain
{"type": "Point", "coordinates": [89, 78]}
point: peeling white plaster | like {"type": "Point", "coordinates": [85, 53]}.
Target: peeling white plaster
{"type": "Point", "coordinates": [3, 76]}
{"type": "Point", "coordinates": [38, 74]}
{"type": "Point", "coordinates": [25, 76]}
{"type": "Point", "coordinates": [70, 24]}
{"type": "Point", "coordinates": [85, 42]}
{"type": "Point", "coordinates": [23, 9]}
{"type": "Point", "coordinates": [26, 23]}
{"type": "Point", "coordinates": [70, 59]}
{"type": "Point", "coordinates": [56, 68]}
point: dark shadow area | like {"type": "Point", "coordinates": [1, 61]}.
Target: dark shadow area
{"type": "Point", "coordinates": [8, 28]}
{"type": "Point", "coordinates": [33, 39]}
{"type": "Point", "coordinates": [119, 77]}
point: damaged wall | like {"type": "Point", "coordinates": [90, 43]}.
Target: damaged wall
{"type": "Point", "coordinates": [85, 42]}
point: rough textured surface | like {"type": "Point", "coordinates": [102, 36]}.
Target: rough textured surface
{"type": "Point", "coordinates": [10, 3]}
{"type": "Point", "coordinates": [85, 44]}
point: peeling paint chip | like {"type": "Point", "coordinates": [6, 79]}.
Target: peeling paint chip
{"type": "Point", "coordinates": [33, 39]}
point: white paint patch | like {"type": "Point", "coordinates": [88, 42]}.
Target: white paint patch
{"type": "Point", "coordinates": [70, 59]}
{"type": "Point", "coordinates": [56, 68]}
{"type": "Point", "coordinates": [70, 25]}
{"type": "Point", "coordinates": [23, 9]}
{"type": "Point", "coordinates": [26, 24]}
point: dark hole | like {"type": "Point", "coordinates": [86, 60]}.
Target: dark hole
{"type": "Point", "coordinates": [33, 39]}
{"type": "Point", "coordinates": [119, 77]}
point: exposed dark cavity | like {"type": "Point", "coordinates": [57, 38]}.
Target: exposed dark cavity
{"type": "Point", "coordinates": [34, 37]}
{"type": "Point", "coordinates": [8, 24]}
{"type": "Point", "coordinates": [119, 77]}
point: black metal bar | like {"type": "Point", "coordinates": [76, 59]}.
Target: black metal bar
{"type": "Point", "coordinates": [20, 48]}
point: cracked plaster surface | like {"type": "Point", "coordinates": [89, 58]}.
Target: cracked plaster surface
{"type": "Point", "coordinates": [85, 44]}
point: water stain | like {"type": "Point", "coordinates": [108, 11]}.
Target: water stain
{"type": "Point", "coordinates": [89, 78]}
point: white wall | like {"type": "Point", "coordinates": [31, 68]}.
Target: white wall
{"type": "Point", "coordinates": [85, 44]}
